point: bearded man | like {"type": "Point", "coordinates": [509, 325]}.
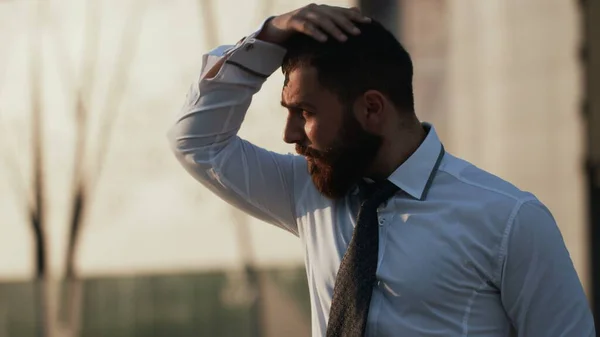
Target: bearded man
{"type": "Point", "coordinates": [401, 237]}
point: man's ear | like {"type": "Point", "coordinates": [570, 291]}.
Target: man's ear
{"type": "Point", "coordinates": [369, 109]}
{"type": "Point", "coordinates": [375, 102]}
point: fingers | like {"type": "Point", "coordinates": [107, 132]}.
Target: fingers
{"type": "Point", "coordinates": [345, 23]}
{"type": "Point", "coordinates": [308, 28]}
{"type": "Point", "coordinates": [329, 25]}
{"type": "Point", "coordinates": [355, 14]}
{"type": "Point", "coordinates": [320, 21]}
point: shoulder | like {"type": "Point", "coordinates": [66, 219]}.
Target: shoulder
{"type": "Point", "coordinates": [464, 176]}
{"type": "Point", "coordinates": [491, 196]}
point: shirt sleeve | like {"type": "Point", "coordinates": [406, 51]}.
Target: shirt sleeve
{"type": "Point", "coordinates": [540, 289]}
{"type": "Point", "coordinates": [205, 141]}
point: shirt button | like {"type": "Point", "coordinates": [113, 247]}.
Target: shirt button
{"type": "Point", "coordinates": [381, 222]}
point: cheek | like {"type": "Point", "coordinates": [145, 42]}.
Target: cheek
{"type": "Point", "coordinates": [320, 135]}
{"type": "Point", "coordinates": [310, 129]}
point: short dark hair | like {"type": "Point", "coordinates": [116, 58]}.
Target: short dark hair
{"type": "Point", "coordinates": [373, 60]}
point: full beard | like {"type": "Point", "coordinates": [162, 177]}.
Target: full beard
{"type": "Point", "coordinates": [336, 170]}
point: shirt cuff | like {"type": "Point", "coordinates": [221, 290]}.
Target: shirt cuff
{"type": "Point", "coordinates": [255, 56]}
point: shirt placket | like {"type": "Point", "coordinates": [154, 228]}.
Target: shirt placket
{"type": "Point", "coordinates": [377, 299]}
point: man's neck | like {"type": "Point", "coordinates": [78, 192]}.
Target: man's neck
{"type": "Point", "coordinates": [395, 151]}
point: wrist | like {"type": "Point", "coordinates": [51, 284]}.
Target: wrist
{"type": "Point", "coordinates": [268, 33]}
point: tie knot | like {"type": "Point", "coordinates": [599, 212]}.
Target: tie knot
{"type": "Point", "coordinates": [378, 192]}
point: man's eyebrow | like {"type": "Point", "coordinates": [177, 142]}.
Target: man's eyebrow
{"type": "Point", "coordinates": [298, 105]}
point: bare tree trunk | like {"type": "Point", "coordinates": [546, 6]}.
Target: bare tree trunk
{"type": "Point", "coordinates": [85, 177]}
{"type": "Point", "coordinates": [83, 98]}
{"type": "Point", "coordinates": [37, 209]}
{"type": "Point", "coordinates": [71, 301]}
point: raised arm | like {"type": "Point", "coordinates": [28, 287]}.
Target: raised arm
{"type": "Point", "coordinates": [204, 139]}
{"type": "Point", "coordinates": [541, 291]}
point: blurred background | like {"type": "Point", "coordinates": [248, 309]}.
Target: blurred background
{"type": "Point", "coordinates": [103, 234]}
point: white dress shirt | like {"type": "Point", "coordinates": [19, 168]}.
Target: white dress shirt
{"type": "Point", "coordinates": [461, 251]}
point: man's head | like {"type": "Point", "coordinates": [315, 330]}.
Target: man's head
{"type": "Point", "coordinates": [343, 100]}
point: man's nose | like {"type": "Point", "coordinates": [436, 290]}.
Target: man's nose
{"type": "Point", "coordinates": [294, 130]}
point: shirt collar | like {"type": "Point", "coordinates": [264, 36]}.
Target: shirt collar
{"type": "Point", "coordinates": [416, 174]}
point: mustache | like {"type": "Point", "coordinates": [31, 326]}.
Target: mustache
{"type": "Point", "coordinates": [310, 152]}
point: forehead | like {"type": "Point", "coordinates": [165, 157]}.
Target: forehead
{"type": "Point", "coordinates": [301, 84]}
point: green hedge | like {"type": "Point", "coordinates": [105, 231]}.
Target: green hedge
{"type": "Point", "coordinates": [148, 306]}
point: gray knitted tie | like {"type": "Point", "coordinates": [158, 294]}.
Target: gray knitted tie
{"type": "Point", "coordinates": [356, 276]}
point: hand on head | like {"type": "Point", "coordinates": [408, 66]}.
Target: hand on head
{"type": "Point", "coordinates": [318, 21]}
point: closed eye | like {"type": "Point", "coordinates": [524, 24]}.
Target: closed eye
{"type": "Point", "coordinates": [296, 112]}
{"type": "Point", "coordinates": [307, 114]}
